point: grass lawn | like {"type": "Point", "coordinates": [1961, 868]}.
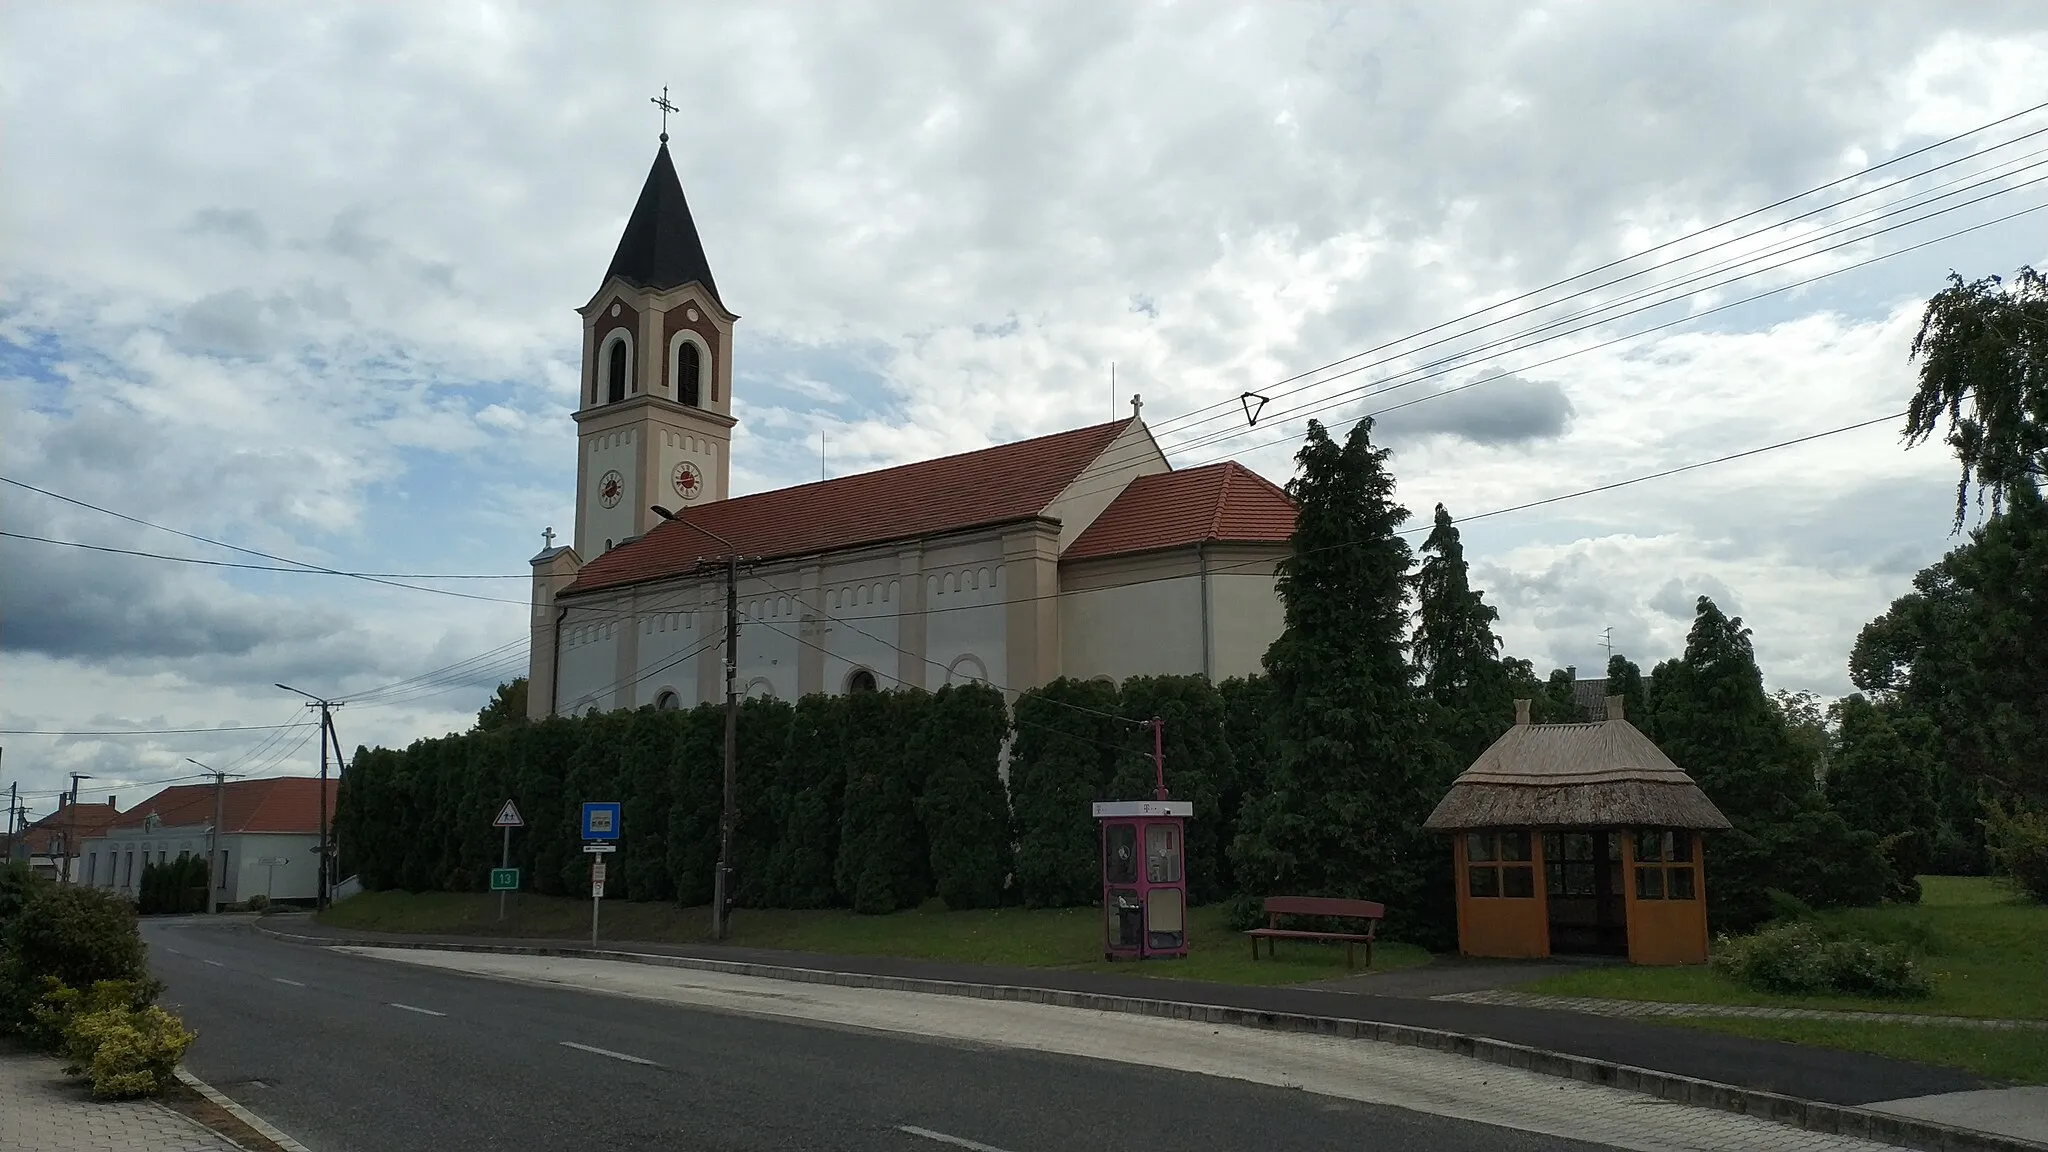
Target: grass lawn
{"type": "Point", "coordinates": [1987, 951]}
{"type": "Point", "coordinates": [1069, 938]}
{"type": "Point", "coordinates": [2015, 1056]}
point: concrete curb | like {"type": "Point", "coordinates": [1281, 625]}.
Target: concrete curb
{"type": "Point", "coordinates": [262, 1126]}
{"type": "Point", "coordinates": [1812, 1115]}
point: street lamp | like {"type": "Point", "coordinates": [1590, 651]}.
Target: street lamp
{"type": "Point", "coordinates": [728, 816]}
{"type": "Point", "coordinates": [326, 708]}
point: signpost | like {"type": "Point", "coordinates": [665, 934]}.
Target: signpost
{"type": "Point", "coordinates": [601, 826]}
{"type": "Point", "coordinates": [505, 878]}
{"type": "Point", "coordinates": [271, 864]}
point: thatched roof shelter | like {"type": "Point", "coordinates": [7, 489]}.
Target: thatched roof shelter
{"type": "Point", "coordinates": [1602, 774]}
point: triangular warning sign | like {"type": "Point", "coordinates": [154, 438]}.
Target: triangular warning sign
{"type": "Point", "coordinates": [508, 817]}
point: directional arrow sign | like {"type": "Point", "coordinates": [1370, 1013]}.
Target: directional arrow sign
{"type": "Point", "coordinates": [508, 817]}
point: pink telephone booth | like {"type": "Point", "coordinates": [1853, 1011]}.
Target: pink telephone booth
{"type": "Point", "coordinates": [1144, 877]}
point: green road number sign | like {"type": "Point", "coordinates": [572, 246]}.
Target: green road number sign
{"type": "Point", "coordinates": [504, 879]}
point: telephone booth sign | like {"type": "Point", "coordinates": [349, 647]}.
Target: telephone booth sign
{"type": "Point", "coordinates": [1144, 877]}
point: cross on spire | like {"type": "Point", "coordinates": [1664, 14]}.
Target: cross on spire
{"type": "Point", "coordinates": [548, 538]}
{"type": "Point", "coordinates": [662, 103]}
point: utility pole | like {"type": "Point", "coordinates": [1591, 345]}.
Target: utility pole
{"type": "Point", "coordinates": [215, 880]}
{"type": "Point", "coordinates": [1158, 727]}
{"type": "Point", "coordinates": [326, 708]}
{"type": "Point", "coordinates": [64, 869]}
{"type": "Point", "coordinates": [13, 803]}
{"type": "Point", "coordinates": [728, 817]}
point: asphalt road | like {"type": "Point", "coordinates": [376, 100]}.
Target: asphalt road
{"type": "Point", "coordinates": [346, 1053]}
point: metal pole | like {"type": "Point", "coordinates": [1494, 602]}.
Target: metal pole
{"type": "Point", "coordinates": [71, 832]}
{"type": "Point", "coordinates": [1158, 758]}
{"type": "Point", "coordinates": [220, 807]}
{"type": "Point", "coordinates": [595, 900]}
{"type": "Point", "coordinates": [504, 861]}
{"type": "Point", "coordinates": [720, 925]}
{"type": "Point", "coordinates": [320, 890]}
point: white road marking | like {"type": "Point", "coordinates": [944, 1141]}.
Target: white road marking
{"type": "Point", "coordinates": [421, 1011]}
{"type": "Point", "coordinates": [1416, 1079]}
{"type": "Point", "coordinates": [215, 963]}
{"type": "Point", "coordinates": [941, 1137]}
{"type": "Point", "coordinates": [609, 1052]}
{"type": "Point", "coordinates": [282, 980]}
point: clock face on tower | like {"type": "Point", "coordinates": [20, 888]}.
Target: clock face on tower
{"type": "Point", "coordinates": [611, 487]}
{"type": "Point", "coordinates": [688, 481]}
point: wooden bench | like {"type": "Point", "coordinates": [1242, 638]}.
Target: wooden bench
{"type": "Point", "coordinates": [1277, 906]}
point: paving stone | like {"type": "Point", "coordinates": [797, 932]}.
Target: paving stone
{"type": "Point", "coordinates": [44, 1110]}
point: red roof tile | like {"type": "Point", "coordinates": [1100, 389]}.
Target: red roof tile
{"type": "Point", "coordinates": [991, 486]}
{"type": "Point", "coordinates": [274, 804]}
{"type": "Point", "coordinates": [1224, 502]}
{"type": "Point", "coordinates": [43, 836]}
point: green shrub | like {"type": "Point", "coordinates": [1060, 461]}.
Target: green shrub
{"type": "Point", "coordinates": [257, 903]}
{"type": "Point", "coordinates": [1799, 959]}
{"type": "Point", "coordinates": [18, 885]}
{"type": "Point", "coordinates": [114, 1035]}
{"type": "Point", "coordinates": [78, 935]}
{"type": "Point", "coordinates": [2018, 843]}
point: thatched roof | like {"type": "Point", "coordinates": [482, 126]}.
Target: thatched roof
{"type": "Point", "coordinates": [1574, 776]}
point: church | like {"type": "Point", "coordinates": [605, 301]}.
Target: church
{"type": "Point", "coordinates": [1083, 553]}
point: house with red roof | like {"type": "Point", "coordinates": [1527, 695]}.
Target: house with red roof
{"type": "Point", "coordinates": [268, 840]}
{"type": "Point", "coordinates": [1083, 553]}
{"type": "Point", "coordinates": [43, 844]}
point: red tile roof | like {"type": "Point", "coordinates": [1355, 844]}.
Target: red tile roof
{"type": "Point", "coordinates": [991, 486]}
{"type": "Point", "coordinates": [275, 804]}
{"type": "Point", "coordinates": [1224, 502]}
{"type": "Point", "coordinates": [42, 837]}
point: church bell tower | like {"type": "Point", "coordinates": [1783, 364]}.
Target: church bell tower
{"type": "Point", "coordinates": [654, 421]}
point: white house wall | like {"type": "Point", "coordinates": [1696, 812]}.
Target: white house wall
{"type": "Point", "coordinates": [297, 879]}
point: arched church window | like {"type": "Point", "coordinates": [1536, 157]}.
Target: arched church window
{"type": "Point", "coordinates": [668, 701]}
{"type": "Point", "coordinates": [618, 370]}
{"type": "Point", "coordinates": [862, 680]}
{"type": "Point", "coordinates": [688, 373]}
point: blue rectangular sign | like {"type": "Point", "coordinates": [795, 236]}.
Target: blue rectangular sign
{"type": "Point", "coordinates": [600, 821]}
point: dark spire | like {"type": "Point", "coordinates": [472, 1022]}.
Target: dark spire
{"type": "Point", "coordinates": [660, 249]}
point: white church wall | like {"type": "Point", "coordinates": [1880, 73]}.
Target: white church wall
{"type": "Point", "coordinates": [1246, 616]}
{"type": "Point", "coordinates": [861, 622]}
{"type": "Point", "coordinates": [603, 453]}
{"type": "Point", "coordinates": [671, 628]}
{"type": "Point", "coordinates": [588, 661]}
{"type": "Point", "coordinates": [1123, 629]}
{"type": "Point", "coordinates": [1131, 455]}
{"type": "Point", "coordinates": [965, 619]}
{"type": "Point", "coordinates": [701, 453]}
{"type": "Point", "coordinates": [771, 619]}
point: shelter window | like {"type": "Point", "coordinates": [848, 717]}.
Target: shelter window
{"type": "Point", "coordinates": [1123, 854]}
{"type": "Point", "coordinates": [1162, 854]}
{"type": "Point", "coordinates": [1664, 865]}
{"type": "Point", "coordinates": [1499, 864]}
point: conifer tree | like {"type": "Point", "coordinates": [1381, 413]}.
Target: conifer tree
{"type": "Point", "coordinates": [1457, 654]}
{"type": "Point", "coordinates": [1067, 736]}
{"type": "Point", "coordinates": [810, 774]}
{"type": "Point", "coordinates": [1711, 716]}
{"type": "Point", "coordinates": [1625, 680]}
{"type": "Point", "coordinates": [1357, 771]}
{"type": "Point", "coordinates": [1882, 781]}
{"type": "Point", "coordinates": [1198, 765]}
{"type": "Point", "coordinates": [884, 863]}
{"type": "Point", "coordinates": [964, 810]}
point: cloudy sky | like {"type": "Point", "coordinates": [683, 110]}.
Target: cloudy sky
{"type": "Point", "coordinates": [301, 278]}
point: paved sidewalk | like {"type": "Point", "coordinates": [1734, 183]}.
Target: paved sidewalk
{"type": "Point", "coordinates": [46, 1111]}
{"type": "Point", "coordinates": [1653, 1008]}
{"type": "Point", "coordinates": [1828, 1075]}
